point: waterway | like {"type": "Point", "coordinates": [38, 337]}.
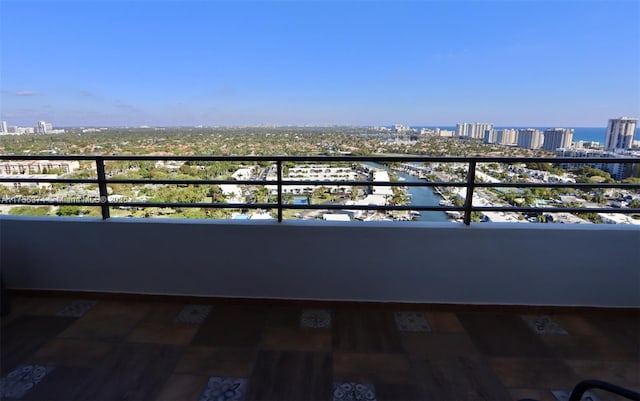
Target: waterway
{"type": "Point", "coordinates": [423, 196]}
{"type": "Point", "coordinates": [420, 196]}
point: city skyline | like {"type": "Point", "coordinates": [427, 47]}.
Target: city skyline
{"type": "Point", "coordinates": [308, 63]}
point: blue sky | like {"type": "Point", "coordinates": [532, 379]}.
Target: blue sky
{"type": "Point", "coordinates": [113, 63]}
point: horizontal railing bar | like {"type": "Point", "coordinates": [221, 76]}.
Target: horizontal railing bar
{"type": "Point", "coordinates": [376, 159]}
{"type": "Point", "coordinates": [555, 209]}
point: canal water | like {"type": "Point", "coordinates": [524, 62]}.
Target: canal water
{"type": "Point", "coordinates": [420, 196]}
{"type": "Point", "coordinates": [423, 196]}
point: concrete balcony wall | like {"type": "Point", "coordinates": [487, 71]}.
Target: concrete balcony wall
{"type": "Point", "coordinates": [490, 263]}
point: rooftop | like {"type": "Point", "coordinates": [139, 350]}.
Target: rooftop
{"type": "Point", "coordinates": [76, 346]}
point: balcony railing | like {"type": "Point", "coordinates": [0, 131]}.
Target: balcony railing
{"type": "Point", "coordinates": [102, 179]}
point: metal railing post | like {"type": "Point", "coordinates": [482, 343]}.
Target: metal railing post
{"type": "Point", "coordinates": [468, 202]}
{"type": "Point", "coordinates": [102, 188]}
{"type": "Point", "coordinates": [279, 167]}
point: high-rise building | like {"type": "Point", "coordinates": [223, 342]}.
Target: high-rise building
{"type": "Point", "coordinates": [555, 138]}
{"type": "Point", "coordinates": [507, 136]}
{"type": "Point", "coordinates": [41, 127]}
{"type": "Point", "coordinates": [620, 133]}
{"type": "Point", "coordinates": [530, 138]}
{"type": "Point", "coordinates": [474, 130]}
{"type": "Point", "coordinates": [3, 127]}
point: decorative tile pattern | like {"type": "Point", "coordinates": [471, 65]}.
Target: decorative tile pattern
{"type": "Point", "coordinates": [563, 395]}
{"type": "Point", "coordinates": [76, 308]}
{"type": "Point", "coordinates": [349, 391]}
{"type": "Point", "coordinates": [22, 379]}
{"type": "Point", "coordinates": [224, 389]}
{"type": "Point", "coordinates": [411, 321]}
{"type": "Point", "coordinates": [193, 314]}
{"type": "Point", "coordinates": [315, 318]}
{"type": "Point", "coordinates": [543, 324]}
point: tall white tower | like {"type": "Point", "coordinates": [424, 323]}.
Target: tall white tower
{"type": "Point", "coordinates": [620, 133]}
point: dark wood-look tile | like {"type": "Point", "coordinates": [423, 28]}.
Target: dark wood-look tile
{"type": "Point", "coordinates": [132, 371]}
{"type": "Point", "coordinates": [108, 321]}
{"type": "Point", "coordinates": [503, 335]}
{"type": "Point", "coordinates": [398, 392]}
{"type": "Point", "coordinates": [232, 326]}
{"type": "Point", "coordinates": [71, 352]}
{"type": "Point", "coordinates": [438, 344]}
{"type": "Point", "coordinates": [217, 361]}
{"type": "Point", "coordinates": [577, 325]}
{"type": "Point", "coordinates": [589, 348]}
{"type": "Point", "coordinates": [163, 333]}
{"type": "Point", "coordinates": [459, 378]}
{"type": "Point", "coordinates": [518, 394]}
{"type": "Point", "coordinates": [284, 317]}
{"type": "Point", "coordinates": [546, 373]}
{"type": "Point", "coordinates": [371, 368]}
{"type": "Point", "coordinates": [365, 331]}
{"type": "Point", "coordinates": [626, 374]}
{"type": "Point", "coordinates": [624, 330]}
{"type": "Point", "coordinates": [38, 306]}
{"type": "Point", "coordinates": [183, 388]}
{"type": "Point", "coordinates": [444, 322]}
{"type": "Point", "coordinates": [60, 384]}
{"type": "Point", "coordinates": [24, 335]}
{"type": "Point", "coordinates": [302, 339]}
{"type": "Point", "coordinates": [291, 375]}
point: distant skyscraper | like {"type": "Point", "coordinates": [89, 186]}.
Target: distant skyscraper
{"type": "Point", "coordinates": [475, 130]}
{"type": "Point", "coordinates": [555, 138]}
{"type": "Point", "coordinates": [620, 133]}
{"type": "Point", "coordinates": [3, 127]}
{"type": "Point", "coordinates": [530, 138]}
{"type": "Point", "coordinates": [41, 127]}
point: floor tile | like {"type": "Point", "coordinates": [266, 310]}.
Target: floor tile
{"type": "Point", "coordinates": [183, 388]}
{"type": "Point", "coordinates": [543, 324]}
{"type": "Point", "coordinates": [37, 306]}
{"type": "Point", "coordinates": [398, 392]}
{"type": "Point", "coordinates": [60, 384]}
{"type": "Point", "coordinates": [411, 321]}
{"type": "Point", "coordinates": [458, 378]}
{"type": "Point", "coordinates": [71, 352]}
{"type": "Point", "coordinates": [224, 389]}
{"type": "Point", "coordinates": [132, 371]}
{"type": "Point", "coordinates": [351, 391]}
{"type": "Point", "coordinates": [303, 339]}
{"type": "Point", "coordinates": [163, 333]}
{"type": "Point", "coordinates": [546, 373]}
{"type": "Point", "coordinates": [518, 394]}
{"type": "Point", "coordinates": [365, 331]}
{"type": "Point", "coordinates": [438, 344]}
{"type": "Point", "coordinates": [444, 322]}
{"type": "Point", "coordinates": [577, 325]}
{"type": "Point", "coordinates": [284, 317]}
{"type": "Point", "coordinates": [76, 308]}
{"type": "Point", "coordinates": [315, 318]}
{"type": "Point", "coordinates": [193, 314]}
{"type": "Point", "coordinates": [622, 329]}
{"type": "Point", "coordinates": [232, 326]}
{"type": "Point", "coordinates": [503, 335]}
{"type": "Point", "coordinates": [22, 379]}
{"type": "Point", "coordinates": [217, 361]}
{"type": "Point", "coordinates": [375, 368]}
{"type": "Point", "coordinates": [24, 335]}
{"type": "Point", "coordinates": [291, 375]}
{"type": "Point", "coordinates": [589, 348]}
{"type": "Point", "coordinates": [108, 321]}
{"type": "Point", "coordinates": [626, 374]}
{"type": "Point", "coordinates": [563, 395]}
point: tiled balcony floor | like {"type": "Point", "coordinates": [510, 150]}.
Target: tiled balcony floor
{"type": "Point", "coordinates": [59, 348]}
